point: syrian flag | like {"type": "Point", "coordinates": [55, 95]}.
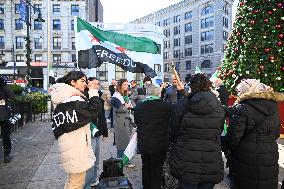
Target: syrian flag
{"type": "Point", "coordinates": [131, 53]}
{"type": "Point", "coordinates": [130, 149]}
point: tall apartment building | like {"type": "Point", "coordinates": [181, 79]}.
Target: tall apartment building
{"type": "Point", "coordinates": [196, 32]}
{"type": "Point", "coordinates": [62, 36]}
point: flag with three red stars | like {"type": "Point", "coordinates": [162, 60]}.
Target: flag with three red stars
{"type": "Point", "coordinates": [95, 46]}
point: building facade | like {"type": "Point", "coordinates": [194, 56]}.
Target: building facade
{"type": "Point", "coordinates": [195, 33]}
{"type": "Point", "coordinates": [62, 36]}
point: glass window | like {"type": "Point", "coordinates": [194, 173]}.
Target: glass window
{"type": "Point", "coordinates": [225, 35]}
{"type": "Point", "coordinates": [119, 73]}
{"type": "Point", "coordinates": [1, 8]}
{"type": "Point", "coordinates": [19, 24]}
{"type": "Point", "coordinates": [207, 49]}
{"type": "Point", "coordinates": [188, 65]}
{"type": "Point", "coordinates": [167, 32]}
{"type": "Point", "coordinates": [2, 24]}
{"type": "Point", "coordinates": [2, 42]}
{"type": "Point", "coordinates": [166, 67]}
{"type": "Point", "coordinates": [138, 76]}
{"type": "Point", "coordinates": [102, 72]}
{"type": "Point", "coordinates": [176, 53]}
{"type": "Point", "coordinates": [72, 25]}
{"type": "Point", "coordinates": [176, 42]}
{"type": "Point", "coordinates": [73, 58]}
{"type": "Point", "coordinates": [207, 36]}
{"type": "Point", "coordinates": [56, 58]}
{"type": "Point", "coordinates": [17, 8]}
{"type": "Point", "coordinates": [177, 66]}
{"type": "Point", "coordinates": [226, 10]}
{"type": "Point", "coordinates": [176, 30]}
{"type": "Point", "coordinates": [187, 27]}
{"type": "Point", "coordinates": [37, 8]}
{"type": "Point", "coordinates": [37, 25]}
{"type": "Point", "coordinates": [166, 55]}
{"type": "Point", "coordinates": [38, 43]}
{"type": "Point", "coordinates": [207, 10]}
{"type": "Point", "coordinates": [158, 23]}
{"type": "Point", "coordinates": [38, 57]}
{"type": "Point", "coordinates": [176, 18]}
{"type": "Point", "coordinates": [167, 44]}
{"type": "Point", "coordinates": [188, 15]}
{"type": "Point", "coordinates": [56, 9]}
{"type": "Point", "coordinates": [73, 43]}
{"type": "Point", "coordinates": [19, 42]}
{"type": "Point", "coordinates": [56, 42]}
{"type": "Point", "coordinates": [225, 22]}
{"type": "Point", "coordinates": [207, 22]}
{"type": "Point", "coordinates": [157, 67]}
{"type": "Point", "coordinates": [19, 58]}
{"type": "Point", "coordinates": [188, 39]}
{"type": "Point", "coordinates": [167, 22]}
{"type": "Point", "coordinates": [56, 25]}
{"type": "Point", "coordinates": [75, 10]}
{"type": "Point", "coordinates": [206, 64]}
{"type": "Point", "coordinates": [188, 52]}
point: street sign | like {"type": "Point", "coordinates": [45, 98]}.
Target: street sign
{"type": "Point", "coordinates": [23, 5]}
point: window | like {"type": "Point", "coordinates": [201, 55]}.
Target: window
{"type": "Point", "coordinates": [119, 73]}
{"type": "Point", "coordinates": [187, 27]}
{"type": "Point", "coordinates": [138, 76]}
{"type": "Point", "coordinates": [56, 9]}
{"type": "Point", "coordinates": [176, 42]}
{"type": "Point", "coordinates": [38, 57]}
{"type": "Point", "coordinates": [188, 52]}
{"type": "Point", "coordinates": [18, 24]}
{"type": "Point", "coordinates": [177, 66]}
{"type": "Point", "coordinates": [157, 67]}
{"type": "Point", "coordinates": [166, 67]}
{"type": "Point", "coordinates": [225, 35]}
{"type": "Point", "coordinates": [167, 44]}
{"type": "Point", "coordinates": [1, 8]}
{"type": "Point", "coordinates": [17, 8]}
{"type": "Point", "coordinates": [37, 8]}
{"type": "Point", "coordinates": [188, 15]}
{"type": "Point", "coordinates": [2, 42]}
{"type": "Point", "coordinates": [176, 53]}
{"type": "Point", "coordinates": [56, 42]}
{"type": "Point", "coordinates": [226, 10]}
{"type": "Point", "coordinates": [56, 58]}
{"type": "Point", "coordinates": [73, 43]}
{"type": "Point", "coordinates": [1, 24]}
{"type": "Point", "coordinates": [177, 19]}
{"type": "Point", "coordinates": [158, 23]}
{"type": "Point", "coordinates": [102, 72]}
{"type": "Point", "coordinates": [188, 39]}
{"type": "Point", "coordinates": [38, 43]}
{"type": "Point", "coordinates": [75, 10]}
{"type": "Point", "coordinates": [166, 55]}
{"type": "Point", "coordinates": [225, 22]}
{"type": "Point", "coordinates": [167, 32]}
{"type": "Point", "coordinates": [72, 25]}
{"type": "Point", "coordinates": [206, 64]}
{"type": "Point", "coordinates": [19, 42]}
{"type": "Point", "coordinates": [20, 58]}
{"type": "Point", "coordinates": [206, 49]}
{"type": "Point", "coordinates": [207, 22]}
{"type": "Point", "coordinates": [56, 25]}
{"type": "Point", "coordinates": [73, 58]}
{"type": "Point", "coordinates": [176, 30]}
{"type": "Point", "coordinates": [37, 25]}
{"type": "Point", "coordinates": [167, 22]}
{"type": "Point", "coordinates": [207, 10]}
{"type": "Point", "coordinates": [188, 65]}
{"type": "Point", "coordinates": [207, 36]}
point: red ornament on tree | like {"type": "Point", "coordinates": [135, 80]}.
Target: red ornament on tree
{"type": "Point", "coordinates": [279, 5]}
{"type": "Point", "coordinates": [266, 50]}
{"type": "Point", "coordinates": [238, 33]}
{"type": "Point", "coordinates": [236, 49]}
{"type": "Point", "coordinates": [280, 36]}
{"type": "Point", "coordinates": [266, 20]}
{"type": "Point", "coordinates": [283, 68]}
{"type": "Point", "coordinates": [252, 22]}
{"type": "Point", "coordinates": [269, 12]}
{"type": "Point", "coordinates": [261, 67]}
{"type": "Point", "coordinates": [279, 43]}
{"type": "Point", "coordinates": [235, 62]}
{"type": "Point", "coordinates": [278, 26]}
{"type": "Point", "coordinates": [271, 58]}
{"type": "Point", "coordinates": [242, 3]}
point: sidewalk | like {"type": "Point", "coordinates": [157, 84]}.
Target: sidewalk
{"type": "Point", "coordinates": [36, 163]}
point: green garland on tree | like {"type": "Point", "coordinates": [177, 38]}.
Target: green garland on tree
{"type": "Point", "coordinates": [255, 46]}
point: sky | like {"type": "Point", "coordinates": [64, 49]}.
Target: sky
{"type": "Point", "coordinates": [124, 11]}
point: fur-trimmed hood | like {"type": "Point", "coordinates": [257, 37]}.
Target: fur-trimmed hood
{"type": "Point", "coordinates": [268, 95]}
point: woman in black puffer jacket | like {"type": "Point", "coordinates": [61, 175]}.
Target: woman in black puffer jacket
{"type": "Point", "coordinates": [196, 158]}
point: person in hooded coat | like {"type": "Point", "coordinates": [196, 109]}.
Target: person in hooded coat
{"type": "Point", "coordinates": [252, 134]}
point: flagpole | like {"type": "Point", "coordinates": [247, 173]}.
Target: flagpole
{"type": "Point", "coordinates": [48, 43]}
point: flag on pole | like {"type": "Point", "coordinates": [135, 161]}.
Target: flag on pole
{"type": "Point", "coordinates": [197, 70]}
{"type": "Point", "coordinates": [214, 76]}
{"type": "Point", "coordinates": [131, 53]}
{"type": "Point", "coordinates": [130, 150]}
{"type": "Point", "coordinates": [94, 129]}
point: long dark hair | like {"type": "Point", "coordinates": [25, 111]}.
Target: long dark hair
{"type": "Point", "coordinates": [200, 83]}
{"type": "Point", "coordinates": [119, 85]}
{"type": "Point", "coordinates": [71, 76]}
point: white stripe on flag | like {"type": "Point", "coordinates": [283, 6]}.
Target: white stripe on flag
{"type": "Point", "coordinates": [281, 155]}
{"type": "Point", "coordinates": [130, 149]}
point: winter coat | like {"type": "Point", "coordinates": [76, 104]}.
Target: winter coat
{"type": "Point", "coordinates": [252, 134]}
{"type": "Point", "coordinates": [73, 128]}
{"type": "Point", "coordinates": [152, 118]}
{"type": "Point", "coordinates": [223, 94]}
{"type": "Point", "coordinates": [196, 153]}
{"type": "Point", "coordinates": [123, 123]}
{"type": "Point", "coordinates": [5, 95]}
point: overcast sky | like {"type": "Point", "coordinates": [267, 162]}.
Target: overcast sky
{"type": "Point", "coordinates": [124, 11]}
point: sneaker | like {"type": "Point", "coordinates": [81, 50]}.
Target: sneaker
{"type": "Point", "coordinates": [95, 183]}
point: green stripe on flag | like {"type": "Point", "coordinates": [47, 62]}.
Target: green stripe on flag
{"type": "Point", "coordinates": [138, 44]}
{"type": "Point", "coordinates": [125, 160]}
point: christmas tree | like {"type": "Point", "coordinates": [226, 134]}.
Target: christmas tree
{"type": "Point", "coordinates": [255, 46]}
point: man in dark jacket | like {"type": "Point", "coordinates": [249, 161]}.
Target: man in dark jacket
{"type": "Point", "coordinates": [5, 115]}
{"type": "Point", "coordinates": [152, 117]}
{"type": "Point", "coordinates": [223, 92]}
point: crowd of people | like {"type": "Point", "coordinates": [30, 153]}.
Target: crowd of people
{"type": "Point", "coordinates": [186, 125]}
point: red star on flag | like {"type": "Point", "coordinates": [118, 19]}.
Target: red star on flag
{"type": "Point", "coordinates": [121, 49]}
{"type": "Point", "coordinates": [94, 39]}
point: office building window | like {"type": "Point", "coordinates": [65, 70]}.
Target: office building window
{"type": "Point", "coordinates": [138, 76]}
{"type": "Point", "coordinates": [188, 52]}
{"type": "Point", "coordinates": [73, 43]}
{"type": "Point", "coordinates": [75, 10]}
{"type": "Point", "coordinates": [188, 65]}
{"type": "Point", "coordinates": [176, 30]}
{"type": "Point", "coordinates": [157, 67]}
{"type": "Point", "coordinates": [225, 22]}
{"type": "Point", "coordinates": [38, 57]}
{"type": "Point", "coordinates": [207, 10]}
{"type": "Point", "coordinates": [73, 58]}
{"type": "Point", "coordinates": [166, 55]}
{"type": "Point", "coordinates": [18, 24]}
{"type": "Point", "coordinates": [19, 42]}
{"type": "Point", "coordinates": [207, 49]}
{"type": "Point", "coordinates": [176, 53]}
{"type": "Point", "coordinates": [37, 8]}
{"type": "Point", "coordinates": [2, 42]}
{"type": "Point", "coordinates": [167, 22]}
{"type": "Point", "coordinates": [176, 42]}
{"type": "Point", "coordinates": [207, 22]}
{"type": "Point", "coordinates": [37, 25]}
{"type": "Point", "coordinates": [38, 43]}
{"type": "Point", "coordinates": [56, 25]}
{"type": "Point", "coordinates": [17, 8]}
{"type": "Point", "coordinates": [166, 67]}
{"type": "Point", "coordinates": [102, 72]}
{"type": "Point", "coordinates": [1, 8]}
{"type": "Point", "coordinates": [226, 10]}
{"type": "Point", "coordinates": [225, 35]}
{"type": "Point", "coordinates": [206, 64]}
{"type": "Point", "coordinates": [177, 66]}
{"type": "Point", "coordinates": [119, 73]}
{"type": "Point", "coordinates": [187, 27]}
{"type": "Point", "coordinates": [56, 9]}
{"type": "Point", "coordinates": [158, 23]}
{"type": "Point", "coordinates": [167, 32]}
{"type": "Point", "coordinates": [188, 15]}
{"type": "Point", "coordinates": [72, 25]}
{"type": "Point", "coordinates": [20, 58]}
{"type": "Point", "coordinates": [207, 36]}
{"type": "Point", "coordinates": [167, 44]}
{"type": "Point", "coordinates": [56, 58]}
{"type": "Point", "coordinates": [2, 24]}
{"type": "Point", "coordinates": [177, 19]}
{"type": "Point", "coordinates": [188, 39]}
{"type": "Point", "coordinates": [56, 42]}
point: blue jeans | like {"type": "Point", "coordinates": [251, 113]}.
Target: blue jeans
{"type": "Point", "coordinates": [202, 185]}
{"type": "Point", "coordinates": [89, 178]}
